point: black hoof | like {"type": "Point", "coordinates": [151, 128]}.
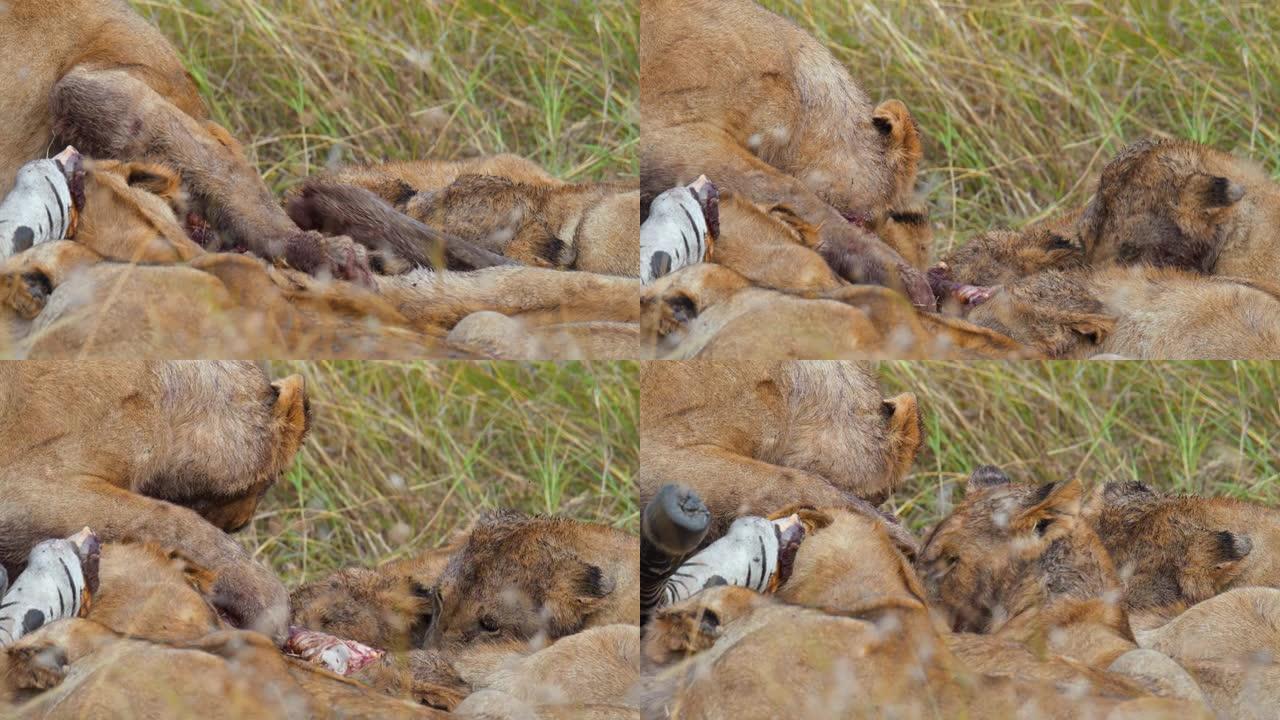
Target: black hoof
{"type": "Point", "coordinates": [675, 521]}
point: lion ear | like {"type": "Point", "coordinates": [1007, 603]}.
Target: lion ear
{"type": "Point", "coordinates": [678, 310]}
{"type": "Point", "coordinates": [291, 412]}
{"type": "Point", "coordinates": [1052, 510]}
{"type": "Point", "coordinates": [580, 590]}
{"type": "Point", "coordinates": [591, 585]}
{"type": "Point", "coordinates": [1211, 192]}
{"type": "Point", "coordinates": [985, 477]}
{"type": "Point", "coordinates": [902, 418]}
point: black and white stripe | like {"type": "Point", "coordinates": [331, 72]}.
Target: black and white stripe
{"type": "Point", "coordinates": [746, 556]}
{"type": "Point", "coordinates": [674, 235]}
{"type": "Point", "coordinates": [51, 587]}
{"type": "Point", "coordinates": [37, 210]}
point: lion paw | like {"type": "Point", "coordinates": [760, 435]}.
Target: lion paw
{"type": "Point", "coordinates": [36, 667]}
{"type": "Point", "coordinates": [27, 293]}
{"type": "Point", "coordinates": [338, 257]}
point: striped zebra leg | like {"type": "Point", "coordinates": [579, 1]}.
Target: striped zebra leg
{"type": "Point", "coordinates": [672, 527]}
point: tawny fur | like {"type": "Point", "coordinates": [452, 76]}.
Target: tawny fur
{"type": "Point", "coordinates": [760, 107]}
{"type": "Point", "coordinates": [170, 453]}
{"type": "Point", "coordinates": [1138, 312]}
{"type": "Point", "coordinates": [711, 312]}
{"type": "Point", "coordinates": [752, 437]}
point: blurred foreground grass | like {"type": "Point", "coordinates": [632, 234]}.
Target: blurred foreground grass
{"type": "Point", "coordinates": [1022, 102]}
{"type": "Point", "coordinates": [1208, 427]}
{"type": "Point", "coordinates": [401, 455]}
{"type": "Point", "coordinates": [310, 83]}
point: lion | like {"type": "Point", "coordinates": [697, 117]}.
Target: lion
{"type": "Point", "coordinates": [1138, 311]}
{"type": "Point", "coordinates": [1180, 204]}
{"type": "Point", "coordinates": [1020, 565]}
{"type": "Point", "coordinates": [711, 312]}
{"type": "Point", "coordinates": [500, 205]}
{"type": "Point", "coordinates": [516, 576]}
{"type": "Point", "coordinates": [388, 607]}
{"type": "Point", "coordinates": [741, 95]}
{"type": "Point", "coordinates": [1179, 550]}
{"type": "Point", "coordinates": [172, 453]}
{"type": "Point", "coordinates": [983, 567]}
{"type": "Point", "coordinates": [499, 610]}
{"type": "Point", "coordinates": [814, 433]}
{"type": "Point", "coordinates": [104, 80]}
{"type": "Point", "coordinates": [999, 257]}
{"type": "Point", "coordinates": [729, 651]}
{"type": "Point", "coordinates": [153, 639]}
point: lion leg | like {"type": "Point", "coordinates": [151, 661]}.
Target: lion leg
{"type": "Point", "coordinates": [39, 661]}
{"type": "Point", "coordinates": [537, 295]}
{"type": "Point", "coordinates": [677, 156]}
{"type": "Point", "coordinates": [369, 220]}
{"type": "Point", "coordinates": [248, 593]}
{"type": "Point", "coordinates": [732, 485]}
{"type": "Point", "coordinates": [112, 114]}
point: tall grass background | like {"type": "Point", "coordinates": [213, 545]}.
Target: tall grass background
{"type": "Point", "coordinates": [307, 84]}
{"type": "Point", "coordinates": [1022, 102]}
{"type": "Point", "coordinates": [403, 455]}
{"type": "Point", "coordinates": [1209, 428]}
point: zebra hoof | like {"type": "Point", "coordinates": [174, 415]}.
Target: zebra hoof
{"type": "Point", "coordinates": [675, 521]}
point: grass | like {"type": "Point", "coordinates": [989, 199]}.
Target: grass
{"type": "Point", "coordinates": [1207, 427]}
{"type": "Point", "coordinates": [1022, 102]}
{"type": "Point", "coordinates": [402, 455]}
{"type": "Point", "coordinates": [307, 84]}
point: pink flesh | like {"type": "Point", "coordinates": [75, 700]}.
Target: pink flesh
{"type": "Point", "coordinates": [65, 156]}
{"type": "Point", "coordinates": [310, 644]}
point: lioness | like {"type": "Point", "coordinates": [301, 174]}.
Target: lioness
{"type": "Point", "coordinates": [101, 78]}
{"type": "Point", "coordinates": [751, 437]}
{"type": "Point", "coordinates": [775, 117]}
{"type": "Point", "coordinates": [172, 453]}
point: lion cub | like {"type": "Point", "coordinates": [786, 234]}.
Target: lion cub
{"type": "Point", "coordinates": [1179, 550]}
{"type": "Point", "coordinates": [473, 211]}
{"type": "Point", "coordinates": [1175, 203]}
{"type": "Point", "coordinates": [1138, 311]}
